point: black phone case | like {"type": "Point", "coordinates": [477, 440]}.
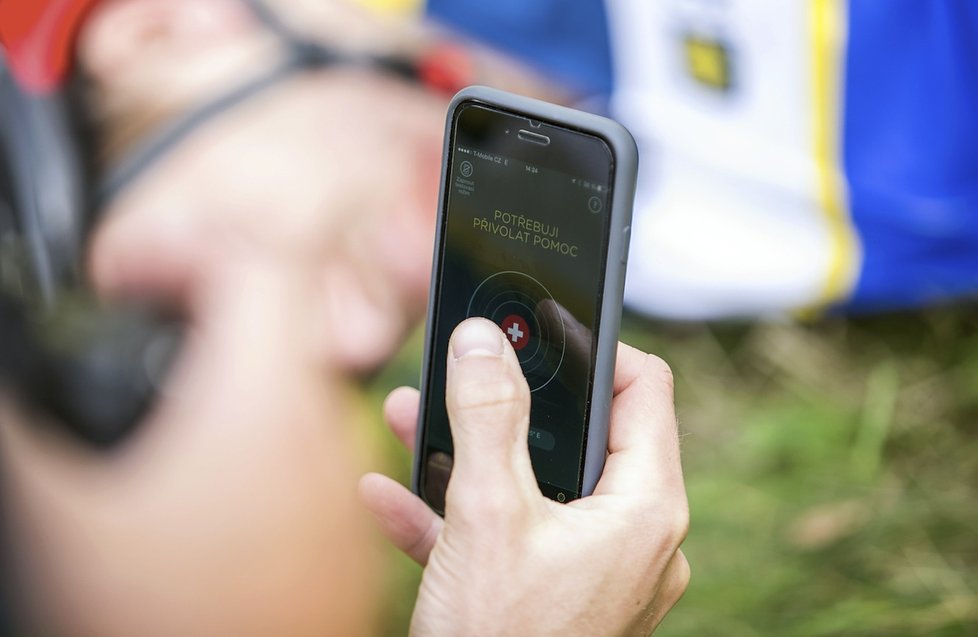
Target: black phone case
{"type": "Point", "coordinates": [625, 155]}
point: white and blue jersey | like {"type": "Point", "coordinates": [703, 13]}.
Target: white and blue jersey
{"type": "Point", "coordinates": [795, 155]}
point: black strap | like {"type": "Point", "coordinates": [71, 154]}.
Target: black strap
{"type": "Point", "coordinates": [148, 153]}
{"type": "Point", "coordinates": [304, 54]}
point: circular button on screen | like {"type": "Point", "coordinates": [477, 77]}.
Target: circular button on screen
{"type": "Point", "coordinates": [526, 313]}
{"type": "Point", "coordinates": [517, 331]}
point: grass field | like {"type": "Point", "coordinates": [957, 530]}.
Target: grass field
{"type": "Point", "coordinates": [832, 472]}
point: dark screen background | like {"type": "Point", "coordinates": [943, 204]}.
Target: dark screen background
{"type": "Point", "coordinates": [524, 243]}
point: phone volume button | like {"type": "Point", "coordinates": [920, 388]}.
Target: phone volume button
{"type": "Point", "coordinates": [626, 235]}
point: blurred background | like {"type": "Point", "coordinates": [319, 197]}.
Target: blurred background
{"type": "Point", "coordinates": [832, 472]}
{"type": "Point", "coordinates": [804, 256]}
{"type": "Point", "coordinates": [831, 462]}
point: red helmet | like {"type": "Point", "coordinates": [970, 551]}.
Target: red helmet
{"type": "Point", "coordinates": [38, 36]}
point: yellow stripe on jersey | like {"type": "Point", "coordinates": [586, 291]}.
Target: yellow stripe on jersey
{"type": "Point", "coordinates": [827, 19]}
{"type": "Point", "coordinates": [399, 7]}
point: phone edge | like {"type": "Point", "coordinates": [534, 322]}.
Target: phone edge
{"type": "Point", "coordinates": [625, 155]}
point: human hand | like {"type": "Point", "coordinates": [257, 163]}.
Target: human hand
{"type": "Point", "coordinates": [339, 167]}
{"type": "Point", "coordinates": [232, 508]}
{"type": "Point", "coordinates": [324, 169]}
{"type": "Point", "coordinates": [508, 561]}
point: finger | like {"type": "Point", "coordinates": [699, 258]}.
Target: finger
{"type": "Point", "coordinates": [155, 256]}
{"type": "Point", "coordinates": [630, 364]}
{"type": "Point", "coordinates": [355, 299]}
{"type": "Point", "coordinates": [488, 405]}
{"type": "Point", "coordinates": [403, 518]}
{"type": "Point", "coordinates": [253, 330]}
{"type": "Point", "coordinates": [401, 414]}
{"type": "Point", "coordinates": [577, 337]}
{"type": "Point", "coordinates": [643, 440]}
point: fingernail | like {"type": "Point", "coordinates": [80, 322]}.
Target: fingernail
{"type": "Point", "coordinates": [476, 336]}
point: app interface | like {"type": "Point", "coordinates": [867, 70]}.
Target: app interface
{"type": "Point", "coordinates": [524, 245]}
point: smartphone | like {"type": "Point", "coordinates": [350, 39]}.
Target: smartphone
{"type": "Point", "coordinates": [533, 232]}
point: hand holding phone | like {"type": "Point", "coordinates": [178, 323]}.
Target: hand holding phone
{"type": "Point", "coordinates": [533, 228]}
{"type": "Point", "coordinates": [505, 560]}
{"type": "Point", "coordinates": [516, 401]}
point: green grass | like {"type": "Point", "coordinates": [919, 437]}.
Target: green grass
{"type": "Point", "coordinates": [832, 471]}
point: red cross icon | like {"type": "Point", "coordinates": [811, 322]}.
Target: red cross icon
{"type": "Point", "coordinates": [517, 331]}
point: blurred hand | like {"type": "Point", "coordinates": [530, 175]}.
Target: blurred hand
{"type": "Point", "coordinates": [323, 169]}
{"type": "Point", "coordinates": [508, 561]}
{"type": "Point", "coordinates": [341, 165]}
{"type": "Point", "coordinates": [232, 510]}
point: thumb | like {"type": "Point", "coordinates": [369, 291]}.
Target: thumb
{"type": "Point", "coordinates": [488, 405]}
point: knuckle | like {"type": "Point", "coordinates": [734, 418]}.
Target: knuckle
{"type": "Point", "coordinates": [675, 582]}
{"type": "Point", "coordinates": [669, 517]}
{"type": "Point", "coordinates": [684, 573]}
{"type": "Point", "coordinates": [660, 372]}
{"type": "Point", "coordinates": [494, 504]}
{"type": "Point", "coordinates": [490, 514]}
{"type": "Point", "coordinates": [677, 523]}
{"type": "Point", "coordinates": [488, 395]}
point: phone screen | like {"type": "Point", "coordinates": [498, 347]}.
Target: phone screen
{"type": "Point", "coordinates": [524, 244]}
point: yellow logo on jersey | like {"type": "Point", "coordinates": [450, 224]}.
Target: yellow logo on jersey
{"type": "Point", "coordinates": [707, 61]}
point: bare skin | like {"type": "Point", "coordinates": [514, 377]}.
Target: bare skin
{"type": "Point", "coordinates": [508, 561]}
{"type": "Point", "coordinates": [233, 510]}
{"type": "Point", "coordinates": [340, 165]}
